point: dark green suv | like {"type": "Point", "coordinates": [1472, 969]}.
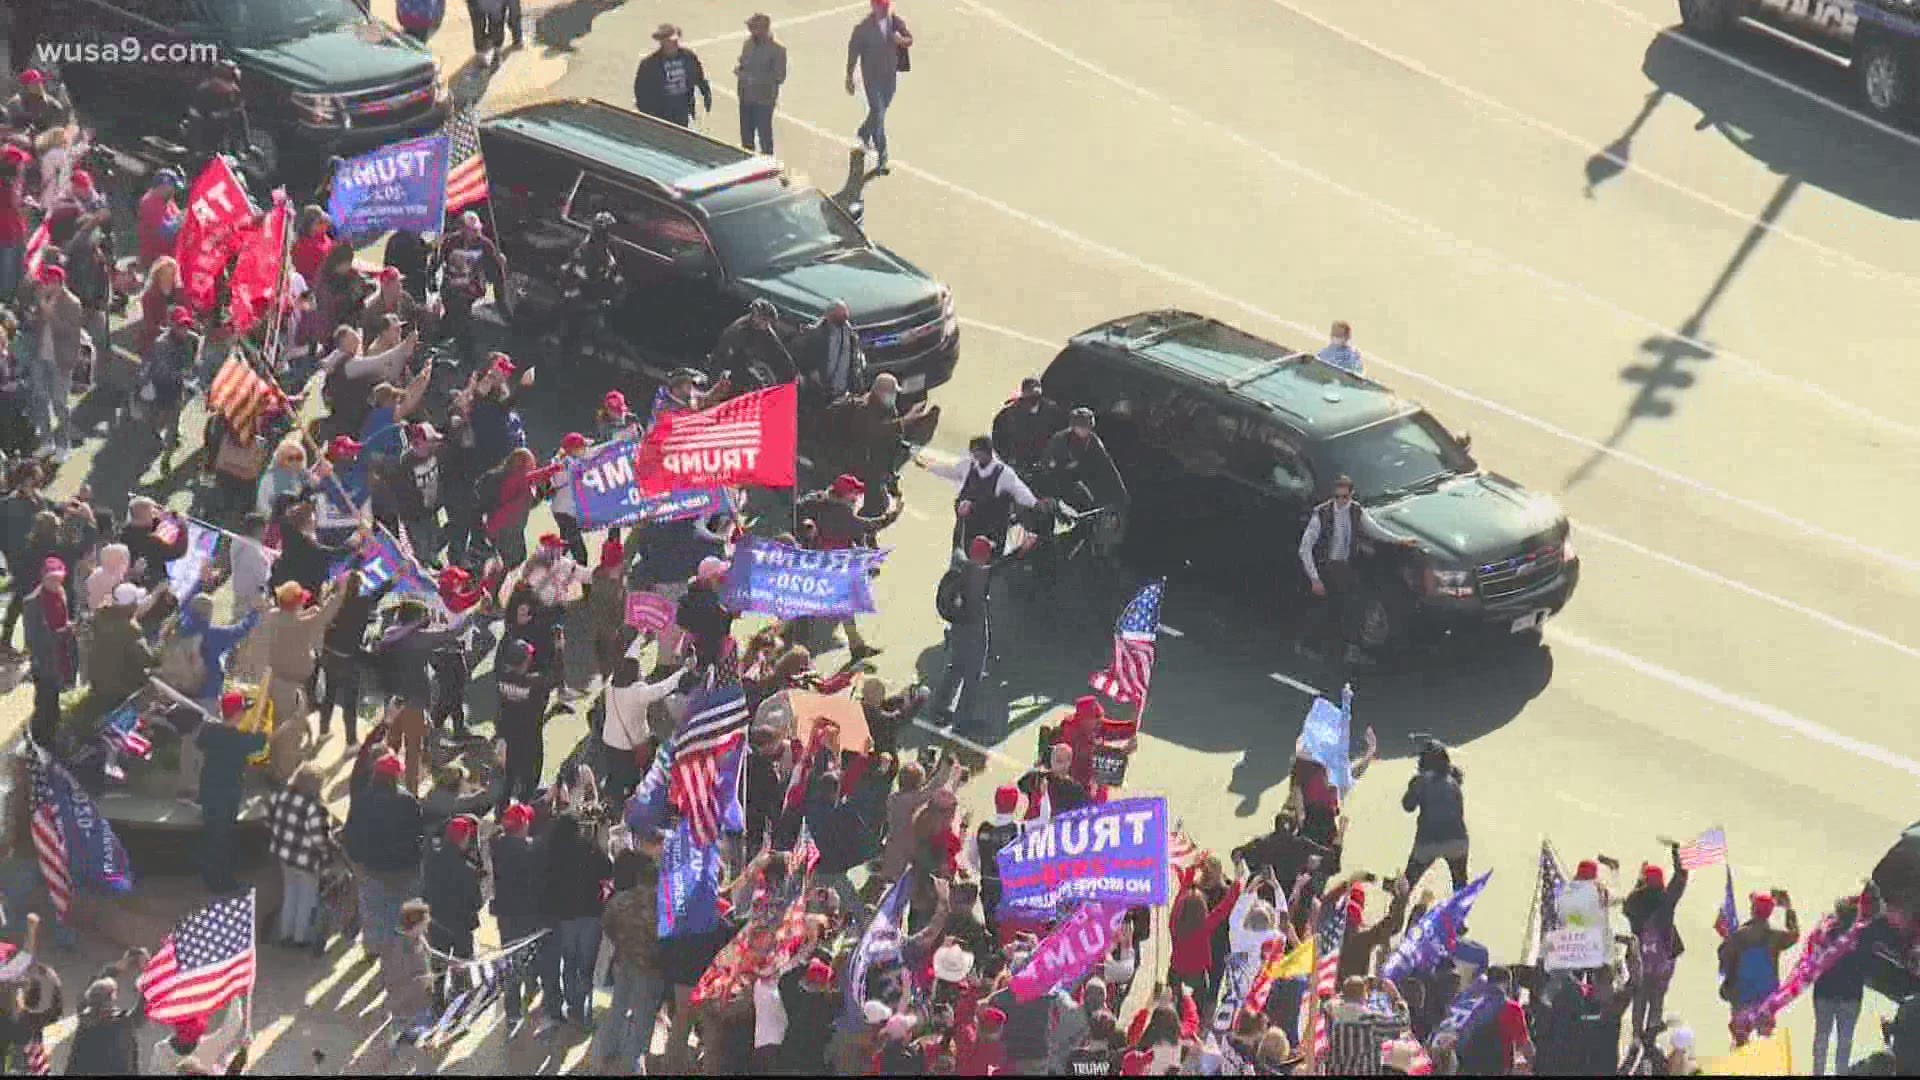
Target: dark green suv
{"type": "Point", "coordinates": [1227, 442]}
{"type": "Point", "coordinates": [701, 229]}
{"type": "Point", "coordinates": [320, 77]}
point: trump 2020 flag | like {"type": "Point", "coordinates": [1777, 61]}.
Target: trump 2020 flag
{"type": "Point", "coordinates": [1433, 938]}
{"type": "Point", "coordinates": [184, 573]}
{"type": "Point", "coordinates": [1326, 737]}
{"type": "Point", "coordinates": [879, 947]}
{"type": "Point", "coordinates": [749, 441]}
{"type": "Point", "coordinates": [688, 900]}
{"type": "Point", "coordinates": [401, 185]}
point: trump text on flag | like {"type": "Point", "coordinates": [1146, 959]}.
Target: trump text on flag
{"type": "Point", "coordinates": [1117, 852]}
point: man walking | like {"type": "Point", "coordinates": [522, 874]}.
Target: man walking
{"type": "Point", "coordinates": [1340, 352]}
{"type": "Point", "coordinates": [963, 601]}
{"type": "Point", "coordinates": [1326, 551]}
{"type": "Point", "coordinates": [879, 47]}
{"type": "Point", "coordinates": [665, 82]}
{"type": "Point", "coordinates": [761, 70]}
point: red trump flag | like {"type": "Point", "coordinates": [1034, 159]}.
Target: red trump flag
{"type": "Point", "coordinates": [747, 442]}
{"type": "Point", "coordinates": [256, 273]}
{"type": "Point", "coordinates": [217, 209]}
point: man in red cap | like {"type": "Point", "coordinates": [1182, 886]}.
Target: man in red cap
{"type": "Point", "coordinates": [963, 599]}
{"type": "Point", "coordinates": [489, 408]}
{"type": "Point", "coordinates": [383, 836]}
{"type": "Point", "coordinates": [391, 298]}
{"type": "Point", "coordinates": [224, 750]}
{"type": "Point", "coordinates": [450, 884]}
{"type": "Point", "coordinates": [813, 1005]}
{"type": "Point", "coordinates": [36, 108]}
{"type": "Point", "coordinates": [52, 651]}
{"type": "Point", "coordinates": [1088, 729]}
{"type": "Point", "coordinates": [518, 880]}
{"type": "Point", "coordinates": [614, 420]}
{"type": "Point", "coordinates": [165, 370]}
{"type": "Point", "coordinates": [53, 316]}
{"type": "Point", "coordinates": [1650, 909]}
{"type": "Point", "coordinates": [1750, 956]}
{"type": "Point", "coordinates": [566, 512]}
{"type": "Point", "coordinates": [836, 524]}
{"type": "Point", "coordinates": [988, 838]}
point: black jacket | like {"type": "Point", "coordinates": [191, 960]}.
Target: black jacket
{"type": "Point", "coordinates": [349, 624]}
{"type": "Point", "coordinates": [303, 559]}
{"type": "Point", "coordinates": [383, 829]}
{"type": "Point", "coordinates": [575, 868]}
{"type": "Point", "coordinates": [404, 657]}
{"type": "Point", "coordinates": [450, 884]}
{"type": "Point", "coordinates": [106, 1042]}
{"type": "Point", "coordinates": [650, 94]}
{"type": "Point", "coordinates": [1020, 435]}
{"type": "Point", "coordinates": [519, 875]}
{"type": "Point", "coordinates": [143, 544]}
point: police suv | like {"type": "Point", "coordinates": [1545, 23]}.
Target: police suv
{"type": "Point", "coordinates": [1879, 40]}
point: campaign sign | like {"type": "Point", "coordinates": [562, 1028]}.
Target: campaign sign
{"type": "Point", "coordinates": [1072, 950]}
{"type": "Point", "coordinates": [1110, 767]}
{"type": "Point", "coordinates": [398, 186]}
{"type": "Point", "coordinates": [789, 582]}
{"type": "Point", "coordinates": [607, 495]}
{"type": "Point", "coordinates": [1117, 852]}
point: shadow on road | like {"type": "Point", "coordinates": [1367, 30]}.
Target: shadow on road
{"type": "Point", "coordinates": [558, 28]}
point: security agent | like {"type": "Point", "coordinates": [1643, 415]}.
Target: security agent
{"type": "Point", "coordinates": [1326, 551]}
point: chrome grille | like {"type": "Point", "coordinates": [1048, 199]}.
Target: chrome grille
{"type": "Point", "coordinates": [1510, 577]}
{"type": "Point", "coordinates": [404, 100]}
{"type": "Point", "coordinates": [908, 335]}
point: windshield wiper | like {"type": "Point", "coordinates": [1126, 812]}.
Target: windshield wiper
{"type": "Point", "coordinates": [1422, 484]}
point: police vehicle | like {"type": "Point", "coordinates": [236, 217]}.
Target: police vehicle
{"type": "Point", "coordinates": [1879, 40]}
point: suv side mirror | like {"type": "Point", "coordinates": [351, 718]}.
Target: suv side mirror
{"type": "Point", "coordinates": [1465, 439]}
{"type": "Point", "coordinates": [857, 210]}
{"type": "Point", "coordinates": [694, 264]}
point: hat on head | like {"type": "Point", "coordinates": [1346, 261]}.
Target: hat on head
{"type": "Point", "coordinates": [711, 567]}
{"type": "Point", "coordinates": [1653, 875]}
{"type": "Point", "coordinates": [502, 365]}
{"type": "Point", "coordinates": [33, 77]}
{"type": "Point", "coordinates": [52, 275]}
{"type": "Point", "coordinates": [232, 704]}
{"type": "Point", "coordinates": [290, 594]}
{"type": "Point", "coordinates": [453, 577]}
{"type": "Point", "coordinates": [1088, 708]}
{"type": "Point", "coordinates": [876, 1013]}
{"type": "Point", "coordinates": [127, 594]}
{"type": "Point", "coordinates": [666, 30]}
{"type": "Point", "coordinates": [389, 765]}
{"type": "Point", "coordinates": [613, 552]}
{"type": "Point", "coordinates": [168, 177]}
{"type": "Point", "coordinates": [615, 402]}
{"type": "Point", "coordinates": [993, 1016]}
{"type": "Point", "coordinates": [952, 963]}
{"type": "Point", "coordinates": [389, 273]}
{"type": "Point", "coordinates": [1588, 870]}
{"type": "Point", "coordinates": [552, 541]}
{"type": "Point", "coordinates": [518, 653]}
{"type": "Point", "coordinates": [17, 155]}
{"type": "Point", "coordinates": [80, 179]}
{"type": "Point", "coordinates": [190, 1031]}
{"type": "Point", "coordinates": [179, 316]}
{"type": "Point", "coordinates": [462, 828]}
{"type": "Point", "coordinates": [53, 567]}
{"type": "Point", "coordinates": [1761, 905]}
{"type": "Point", "coordinates": [573, 440]}
{"type": "Point", "coordinates": [847, 484]}
{"type": "Point", "coordinates": [1006, 798]}
{"type": "Point", "coordinates": [517, 815]}
{"type": "Point", "coordinates": [343, 446]}
{"type": "Point", "coordinates": [819, 972]}
{"type": "Point", "coordinates": [423, 432]}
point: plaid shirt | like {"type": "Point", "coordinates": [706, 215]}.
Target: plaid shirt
{"type": "Point", "coordinates": [1354, 1035]}
{"type": "Point", "coordinates": [299, 828]}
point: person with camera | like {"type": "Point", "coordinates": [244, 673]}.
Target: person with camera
{"type": "Point", "coordinates": [750, 351]}
{"type": "Point", "coordinates": [1750, 956]}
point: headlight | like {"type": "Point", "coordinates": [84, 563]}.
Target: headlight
{"type": "Point", "coordinates": [1456, 583]}
{"type": "Point", "coordinates": [949, 322]}
{"type": "Point", "coordinates": [320, 110]}
{"type": "Point", "coordinates": [1566, 547]}
{"type": "Point", "coordinates": [440, 89]}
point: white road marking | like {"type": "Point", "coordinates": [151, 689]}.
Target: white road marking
{"type": "Point", "coordinates": [1587, 146]}
{"type": "Point", "coordinates": [1666, 30]}
{"type": "Point", "coordinates": [783, 24]}
{"type": "Point", "coordinates": [978, 748]}
{"type": "Point", "coordinates": [1769, 714]}
{"type": "Point", "coordinates": [804, 460]}
{"type": "Point", "coordinates": [1171, 632]}
{"type": "Point", "coordinates": [1829, 621]}
{"type": "Point", "coordinates": [1288, 680]}
{"type": "Point", "coordinates": [1174, 277]}
{"type": "Point", "coordinates": [1004, 331]}
{"type": "Point", "coordinates": [1452, 243]}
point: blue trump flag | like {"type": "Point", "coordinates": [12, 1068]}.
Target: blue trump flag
{"type": "Point", "coordinates": [381, 561]}
{"type": "Point", "coordinates": [1327, 737]}
{"type": "Point", "coordinates": [606, 495]}
{"type": "Point", "coordinates": [184, 573]}
{"type": "Point", "coordinates": [95, 857]}
{"type": "Point", "coordinates": [689, 890]}
{"type": "Point", "coordinates": [401, 185]}
{"type": "Point", "coordinates": [878, 950]}
{"type": "Point", "coordinates": [1434, 937]}
{"type": "Point", "coordinates": [789, 582]}
{"type": "Point", "coordinates": [647, 807]}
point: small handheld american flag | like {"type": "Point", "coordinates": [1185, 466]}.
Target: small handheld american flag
{"type": "Point", "coordinates": [206, 962]}
{"type": "Point", "coordinates": [1729, 916]}
{"type": "Point", "coordinates": [1326, 976]}
{"type": "Point", "coordinates": [466, 169]}
{"type": "Point", "coordinates": [1707, 849]}
{"type": "Point", "coordinates": [1135, 638]}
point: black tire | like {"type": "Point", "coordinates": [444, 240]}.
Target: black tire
{"type": "Point", "coordinates": [1884, 73]}
{"type": "Point", "coordinates": [1708, 18]}
{"type": "Point", "coordinates": [1383, 617]}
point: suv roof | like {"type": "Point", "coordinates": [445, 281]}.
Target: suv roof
{"type": "Point", "coordinates": [1319, 399]}
{"type": "Point", "coordinates": [690, 165]}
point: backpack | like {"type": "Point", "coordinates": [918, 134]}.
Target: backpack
{"type": "Point", "coordinates": [181, 665]}
{"type": "Point", "coordinates": [948, 601]}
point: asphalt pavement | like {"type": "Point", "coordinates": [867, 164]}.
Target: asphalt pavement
{"type": "Point", "coordinates": [1669, 285]}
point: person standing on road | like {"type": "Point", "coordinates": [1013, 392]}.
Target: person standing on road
{"type": "Point", "coordinates": [879, 47]}
{"type": "Point", "coordinates": [1441, 830]}
{"type": "Point", "coordinates": [965, 606]}
{"type": "Point", "coordinates": [667, 79]}
{"type": "Point", "coordinates": [489, 29]}
{"type": "Point", "coordinates": [761, 70]}
{"type": "Point", "coordinates": [1023, 426]}
{"type": "Point", "coordinates": [989, 491]}
{"type": "Point", "coordinates": [1340, 352]}
{"type": "Point", "coordinates": [1326, 553]}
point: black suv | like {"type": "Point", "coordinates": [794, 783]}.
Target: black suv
{"type": "Point", "coordinates": [701, 229]}
{"type": "Point", "coordinates": [1227, 442]}
{"type": "Point", "coordinates": [320, 77]}
{"type": "Point", "coordinates": [1878, 39]}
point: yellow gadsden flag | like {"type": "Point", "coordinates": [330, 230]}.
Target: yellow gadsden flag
{"type": "Point", "coordinates": [1771, 1056]}
{"type": "Point", "coordinates": [1296, 963]}
{"type": "Point", "coordinates": [258, 719]}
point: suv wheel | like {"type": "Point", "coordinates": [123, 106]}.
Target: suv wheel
{"type": "Point", "coordinates": [1707, 18]}
{"type": "Point", "coordinates": [1382, 619]}
{"type": "Point", "coordinates": [1885, 73]}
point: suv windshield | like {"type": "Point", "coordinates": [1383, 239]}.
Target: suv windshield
{"type": "Point", "coordinates": [264, 21]}
{"type": "Point", "coordinates": [793, 228]}
{"type": "Point", "coordinates": [1394, 456]}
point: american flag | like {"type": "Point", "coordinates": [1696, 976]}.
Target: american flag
{"type": "Point", "coordinates": [37, 1061]}
{"type": "Point", "coordinates": [1707, 849]}
{"type": "Point", "coordinates": [1544, 915]}
{"type": "Point", "coordinates": [206, 962]}
{"type": "Point", "coordinates": [240, 394]}
{"type": "Point", "coordinates": [1326, 976]}
{"type": "Point", "coordinates": [649, 612]}
{"type": "Point", "coordinates": [466, 168]}
{"type": "Point", "coordinates": [716, 724]}
{"type": "Point", "coordinates": [36, 253]}
{"type": "Point", "coordinates": [1125, 680]}
{"type": "Point", "coordinates": [806, 850]}
{"type": "Point", "coordinates": [1729, 917]}
{"type": "Point", "coordinates": [1182, 852]}
{"type": "Point", "coordinates": [472, 986]}
{"type": "Point", "coordinates": [123, 730]}
{"type": "Point", "coordinates": [50, 845]}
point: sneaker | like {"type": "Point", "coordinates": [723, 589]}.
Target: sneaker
{"type": "Point", "coordinates": [880, 167]}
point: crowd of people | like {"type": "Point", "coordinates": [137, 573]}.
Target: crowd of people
{"type": "Point", "coordinates": [360, 446]}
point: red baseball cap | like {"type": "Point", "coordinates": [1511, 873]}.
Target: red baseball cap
{"type": "Point", "coordinates": [573, 440]}
{"type": "Point", "coordinates": [502, 364]}
{"type": "Point", "coordinates": [179, 316]}
{"type": "Point", "coordinates": [54, 565]}
{"type": "Point", "coordinates": [462, 828]}
{"type": "Point", "coordinates": [389, 273]}
{"type": "Point", "coordinates": [32, 77]}
{"type": "Point", "coordinates": [82, 179]}
{"type": "Point", "coordinates": [53, 275]}
{"type": "Point", "coordinates": [615, 402]}
{"type": "Point", "coordinates": [343, 446]}
{"type": "Point", "coordinates": [389, 765]}
{"type": "Point", "coordinates": [232, 704]}
{"type": "Point", "coordinates": [848, 484]}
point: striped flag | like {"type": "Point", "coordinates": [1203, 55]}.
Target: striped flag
{"type": "Point", "coordinates": [37, 1061]}
{"type": "Point", "coordinates": [1544, 915]}
{"type": "Point", "coordinates": [124, 731]}
{"type": "Point", "coordinates": [36, 254]}
{"type": "Point", "coordinates": [50, 845]}
{"type": "Point", "coordinates": [1729, 917]}
{"type": "Point", "coordinates": [466, 168]}
{"type": "Point", "coordinates": [206, 962]}
{"type": "Point", "coordinates": [649, 612]}
{"type": "Point", "coordinates": [472, 986]}
{"type": "Point", "coordinates": [806, 850]}
{"type": "Point", "coordinates": [1326, 977]}
{"type": "Point", "coordinates": [1707, 849]}
{"type": "Point", "coordinates": [716, 725]}
{"type": "Point", "coordinates": [1125, 680]}
{"type": "Point", "coordinates": [1182, 852]}
{"type": "Point", "coordinates": [240, 394]}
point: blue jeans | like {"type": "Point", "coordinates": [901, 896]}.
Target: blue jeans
{"type": "Point", "coordinates": [299, 895]}
{"type": "Point", "coordinates": [626, 1032]}
{"type": "Point", "coordinates": [216, 847]}
{"type": "Point", "coordinates": [566, 969]}
{"type": "Point", "coordinates": [512, 929]}
{"type": "Point", "coordinates": [1832, 1016]}
{"type": "Point", "coordinates": [380, 898]}
{"type": "Point", "coordinates": [756, 122]}
{"type": "Point", "coordinates": [52, 393]}
{"type": "Point", "coordinates": [874, 128]}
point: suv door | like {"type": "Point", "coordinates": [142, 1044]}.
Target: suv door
{"type": "Point", "coordinates": [671, 272]}
{"type": "Point", "coordinates": [118, 78]}
{"type": "Point", "coordinates": [529, 186]}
